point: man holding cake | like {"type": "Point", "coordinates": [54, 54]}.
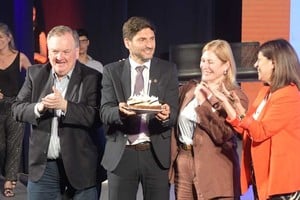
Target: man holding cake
{"type": "Point", "coordinates": [139, 107]}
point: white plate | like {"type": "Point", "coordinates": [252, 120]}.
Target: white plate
{"type": "Point", "coordinates": [143, 111]}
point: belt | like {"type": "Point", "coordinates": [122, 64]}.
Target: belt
{"type": "Point", "coordinates": [186, 147]}
{"type": "Point", "coordinates": [52, 160]}
{"type": "Point", "coordinates": [140, 146]}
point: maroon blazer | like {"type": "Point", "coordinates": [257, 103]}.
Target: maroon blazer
{"type": "Point", "coordinates": [215, 148]}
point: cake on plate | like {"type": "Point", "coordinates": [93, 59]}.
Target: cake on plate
{"type": "Point", "coordinates": [143, 102]}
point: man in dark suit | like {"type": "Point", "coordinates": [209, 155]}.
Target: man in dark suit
{"type": "Point", "coordinates": [138, 152]}
{"type": "Point", "coordinates": [61, 99]}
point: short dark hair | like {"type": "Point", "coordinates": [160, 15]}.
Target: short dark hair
{"type": "Point", "coordinates": [134, 25]}
{"type": "Point", "coordinates": [82, 32]}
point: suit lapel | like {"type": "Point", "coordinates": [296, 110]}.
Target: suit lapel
{"type": "Point", "coordinates": [189, 96]}
{"type": "Point", "coordinates": [74, 83]}
{"type": "Point", "coordinates": [47, 75]}
{"type": "Point", "coordinates": [126, 80]}
{"type": "Point", "coordinates": [154, 77]}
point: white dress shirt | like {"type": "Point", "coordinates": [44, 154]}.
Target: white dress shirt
{"type": "Point", "coordinates": [54, 145]}
{"type": "Point", "coordinates": [143, 136]}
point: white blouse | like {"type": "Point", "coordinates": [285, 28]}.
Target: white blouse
{"type": "Point", "coordinates": [187, 122]}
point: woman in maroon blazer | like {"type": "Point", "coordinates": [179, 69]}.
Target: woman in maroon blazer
{"type": "Point", "coordinates": [205, 163]}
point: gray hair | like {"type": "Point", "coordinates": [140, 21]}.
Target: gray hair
{"type": "Point", "coordinates": [61, 30]}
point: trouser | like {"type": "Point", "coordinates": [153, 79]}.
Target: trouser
{"type": "Point", "coordinates": [138, 165]}
{"type": "Point", "coordinates": [53, 184]}
{"type": "Point", "coordinates": [290, 196]}
{"type": "Point", "coordinates": [185, 178]}
{"type": "Point", "coordinates": [11, 137]}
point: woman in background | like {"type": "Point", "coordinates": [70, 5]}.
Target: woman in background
{"type": "Point", "coordinates": [11, 132]}
{"type": "Point", "coordinates": [40, 41]}
{"type": "Point", "coordinates": [205, 163]}
{"type": "Point", "coordinates": [271, 127]}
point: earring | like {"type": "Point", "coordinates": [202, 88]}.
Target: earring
{"type": "Point", "coordinates": [225, 72]}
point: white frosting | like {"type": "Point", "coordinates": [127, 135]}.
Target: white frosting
{"type": "Point", "coordinates": [141, 99]}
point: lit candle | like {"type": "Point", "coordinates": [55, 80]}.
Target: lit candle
{"type": "Point", "coordinates": [148, 89]}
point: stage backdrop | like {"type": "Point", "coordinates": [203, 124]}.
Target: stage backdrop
{"type": "Point", "coordinates": [177, 22]}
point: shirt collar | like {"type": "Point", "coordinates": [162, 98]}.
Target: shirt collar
{"type": "Point", "coordinates": [68, 74]}
{"type": "Point", "coordinates": [134, 64]}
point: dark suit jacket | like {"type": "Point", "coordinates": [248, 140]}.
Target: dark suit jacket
{"type": "Point", "coordinates": [116, 84]}
{"type": "Point", "coordinates": [76, 129]}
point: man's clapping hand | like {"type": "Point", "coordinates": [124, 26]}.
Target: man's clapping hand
{"type": "Point", "coordinates": [55, 100]}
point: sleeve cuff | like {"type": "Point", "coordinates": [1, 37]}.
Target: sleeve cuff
{"type": "Point", "coordinates": [36, 112]}
{"type": "Point", "coordinates": [234, 122]}
{"type": "Point", "coordinates": [246, 121]}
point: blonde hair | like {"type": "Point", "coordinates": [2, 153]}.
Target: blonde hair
{"type": "Point", "coordinates": [5, 30]}
{"type": "Point", "coordinates": [223, 51]}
